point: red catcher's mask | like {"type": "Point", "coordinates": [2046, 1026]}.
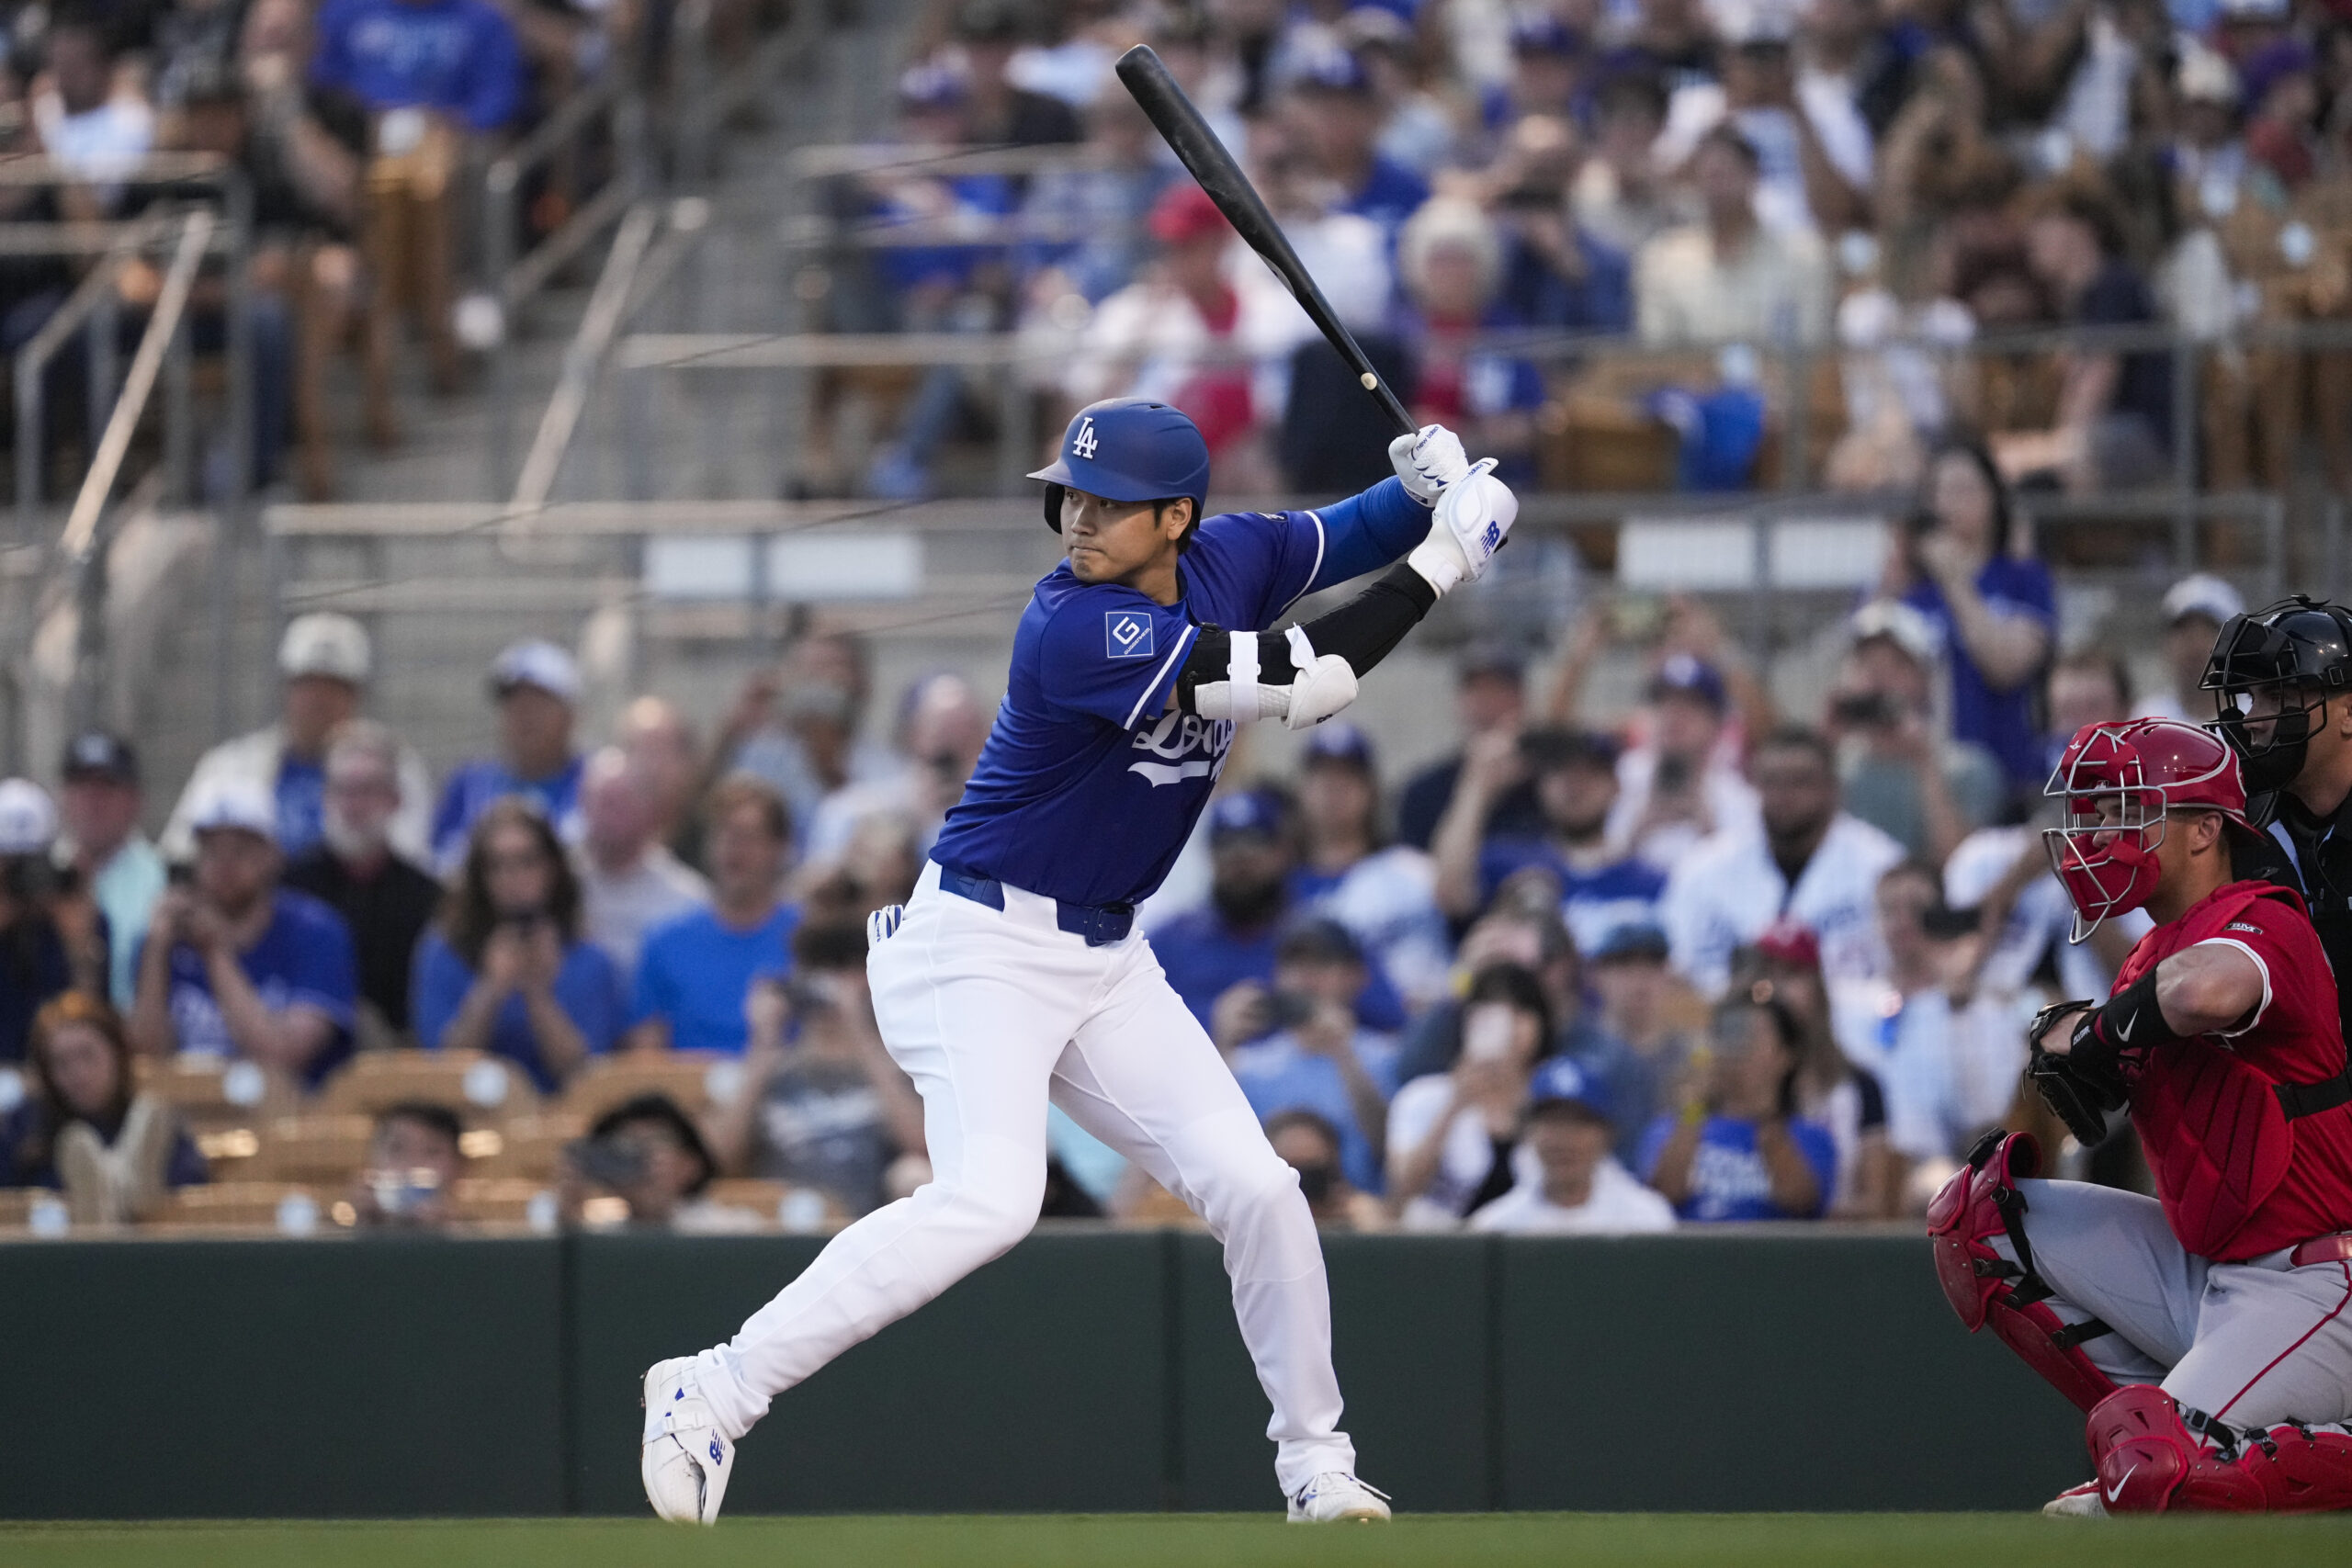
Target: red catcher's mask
{"type": "Point", "coordinates": [2116, 785]}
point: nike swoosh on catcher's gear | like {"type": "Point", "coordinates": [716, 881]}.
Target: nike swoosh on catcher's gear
{"type": "Point", "coordinates": [2117, 1490]}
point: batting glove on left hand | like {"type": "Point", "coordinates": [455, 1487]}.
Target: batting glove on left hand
{"type": "Point", "coordinates": [1473, 518]}
{"type": "Point", "coordinates": [1428, 460]}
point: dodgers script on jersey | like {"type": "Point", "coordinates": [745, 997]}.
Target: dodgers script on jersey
{"type": "Point", "coordinates": [1089, 783]}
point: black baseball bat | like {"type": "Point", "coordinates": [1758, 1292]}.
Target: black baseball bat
{"type": "Point", "coordinates": [1197, 148]}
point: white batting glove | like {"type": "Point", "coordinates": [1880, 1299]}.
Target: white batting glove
{"type": "Point", "coordinates": [1473, 518]}
{"type": "Point", "coordinates": [1428, 460]}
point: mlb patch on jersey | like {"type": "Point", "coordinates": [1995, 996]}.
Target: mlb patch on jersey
{"type": "Point", "coordinates": [1127, 634]}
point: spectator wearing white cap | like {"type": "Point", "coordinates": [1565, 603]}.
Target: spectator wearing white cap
{"type": "Point", "coordinates": [1577, 1188]}
{"type": "Point", "coordinates": [1901, 772]}
{"type": "Point", "coordinates": [325, 661]}
{"type": "Point", "coordinates": [2196, 608]}
{"type": "Point", "coordinates": [235, 965]}
{"type": "Point", "coordinates": [39, 949]}
{"type": "Point", "coordinates": [102, 850]}
{"type": "Point", "coordinates": [535, 687]}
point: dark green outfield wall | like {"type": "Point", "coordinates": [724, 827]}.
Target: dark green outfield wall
{"type": "Point", "coordinates": [1087, 1370]}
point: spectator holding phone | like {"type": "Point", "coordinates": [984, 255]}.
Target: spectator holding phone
{"type": "Point", "coordinates": [822, 1105]}
{"type": "Point", "coordinates": [1310, 1144]}
{"type": "Point", "coordinates": [1961, 561]}
{"type": "Point", "coordinates": [1453, 1137]}
{"type": "Point", "coordinates": [1899, 774]}
{"type": "Point", "coordinates": [1577, 1189]}
{"type": "Point", "coordinates": [414, 1158]}
{"type": "Point", "coordinates": [1640, 1058]}
{"type": "Point", "coordinates": [649, 1153]}
{"type": "Point", "coordinates": [1298, 1046]}
{"type": "Point", "coordinates": [235, 965]}
{"type": "Point", "coordinates": [1741, 1151]}
{"type": "Point", "coordinates": [505, 969]}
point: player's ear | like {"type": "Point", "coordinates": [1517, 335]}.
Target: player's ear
{"type": "Point", "coordinates": [1176, 518]}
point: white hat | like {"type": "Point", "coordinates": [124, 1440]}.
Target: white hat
{"type": "Point", "coordinates": [322, 644]}
{"type": "Point", "coordinates": [28, 818]}
{"type": "Point", "coordinates": [540, 664]}
{"type": "Point", "coordinates": [1900, 623]}
{"type": "Point", "coordinates": [235, 804]}
{"type": "Point", "coordinates": [2205, 76]}
{"type": "Point", "coordinates": [2203, 594]}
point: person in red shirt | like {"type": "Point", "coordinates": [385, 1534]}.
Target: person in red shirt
{"type": "Point", "coordinates": [2208, 1330]}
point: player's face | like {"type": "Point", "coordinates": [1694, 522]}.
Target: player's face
{"type": "Point", "coordinates": [1119, 541]}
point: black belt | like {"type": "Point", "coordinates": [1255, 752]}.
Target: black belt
{"type": "Point", "coordinates": [1100, 924]}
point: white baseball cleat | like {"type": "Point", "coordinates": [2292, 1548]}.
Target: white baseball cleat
{"type": "Point", "coordinates": [686, 1462]}
{"type": "Point", "coordinates": [2082, 1501]}
{"type": "Point", "coordinates": [1336, 1497]}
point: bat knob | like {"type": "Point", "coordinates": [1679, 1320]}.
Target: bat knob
{"type": "Point", "coordinates": [1369, 380]}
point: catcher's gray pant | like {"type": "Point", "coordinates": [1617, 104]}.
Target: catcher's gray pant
{"type": "Point", "coordinates": [2252, 1344]}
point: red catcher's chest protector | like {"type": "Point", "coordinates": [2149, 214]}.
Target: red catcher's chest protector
{"type": "Point", "coordinates": [2214, 1133]}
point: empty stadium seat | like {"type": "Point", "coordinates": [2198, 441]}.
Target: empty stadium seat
{"type": "Point", "coordinates": [684, 1075]}
{"type": "Point", "coordinates": [215, 1094]}
{"type": "Point", "coordinates": [281, 1206]}
{"type": "Point", "coordinates": [530, 1146]}
{"type": "Point", "coordinates": [468, 1082]}
{"type": "Point", "coordinates": [325, 1150]}
{"type": "Point", "coordinates": [503, 1201]}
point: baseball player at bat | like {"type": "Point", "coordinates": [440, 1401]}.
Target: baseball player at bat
{"type": "Point", "coordinates": [1016, 976]}
{"type": "Point", "coordinates": [2208, 1330]}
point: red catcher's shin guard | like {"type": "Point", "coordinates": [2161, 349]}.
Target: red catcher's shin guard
{"type": "Point", "coordinates": [1981, 1202]}
{"type": "Point", "coordinates": [2150, 1463]}
{"type": "Point", "coordinates": [2300, 1472]}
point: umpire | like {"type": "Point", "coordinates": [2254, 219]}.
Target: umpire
{"type": "Point", "coordinates": [2282, 676]}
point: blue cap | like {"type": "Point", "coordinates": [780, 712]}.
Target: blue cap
{"type": "Point", "coordinates": [1337, 740]}
{"type": "Point", "coordinates": [1633, 939]}
{"type": "Point", "coordinates": [1692, 676]}
{"type": "Point", "coordinates": [1332, 71]}
{"type": "Point", "coordinates": [1246, 811]}
{"type": "Point", "coordinates": [1543, 33]}
{"type": "Point", "coordinates": [1560, 1082]}
{"type": "Point", "coordinates": [1129, 449]}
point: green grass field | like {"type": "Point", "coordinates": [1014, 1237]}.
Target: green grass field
{"type": "Point", "coordinates": [1645, 1540]}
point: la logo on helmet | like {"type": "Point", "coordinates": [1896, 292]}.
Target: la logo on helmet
{"type": "Point", "coordinates": [1082, 444]}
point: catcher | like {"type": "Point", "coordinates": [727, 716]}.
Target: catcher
{"type": "Point", "coordinates": [2208, 1331]}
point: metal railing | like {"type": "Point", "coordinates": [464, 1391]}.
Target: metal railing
{"type": "Point", "coordinates": [89, 529]}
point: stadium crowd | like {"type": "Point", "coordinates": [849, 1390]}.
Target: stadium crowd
{"type": "Point", "coordinates": [1701, 962]}
{"type": "Point", "coordinates": [1487, 190]}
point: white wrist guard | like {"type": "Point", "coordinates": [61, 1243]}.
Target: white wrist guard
{"type": "Point", "coordinates": [1320, 686]}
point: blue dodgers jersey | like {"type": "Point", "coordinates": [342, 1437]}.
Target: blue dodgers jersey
{"type": "Point", "coordinates": [1090, 784]}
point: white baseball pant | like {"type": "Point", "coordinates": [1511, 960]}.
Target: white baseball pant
{"type": "Point", "coordinates": [2251, 1344]}
{"type": "Point", "coordinates": [992, 1013]}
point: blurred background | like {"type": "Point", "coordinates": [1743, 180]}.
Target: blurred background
{"type": "Point", "coordinates": [518, 519]}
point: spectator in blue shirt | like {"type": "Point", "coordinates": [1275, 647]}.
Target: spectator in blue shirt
{"type": "Point", "coordinates": [458, 58]}
{"type": "Point", "coordinates": [1206, 951]}
{"type": "Point", "coordinates": [1298, 1046]}
{"type": "Point", "coordinates": [1747, 1155]}
{"type": "Point", "coordinates": [505, 969]}
{"type": "Point", "coordinates": [43, 938]}
{"type": "Point", "coordinates": [235, 965]}
{"type": "Point", "coordinates": [1598, 887]}
{"type": "Point", "coordinates": [695, 978]}
{"type": "Point", "coordinates": [83, 1127]}
{"type": "Point", "coordinates": [535, 686]}
{"type": "Point", "coordinates": [1961, 561]}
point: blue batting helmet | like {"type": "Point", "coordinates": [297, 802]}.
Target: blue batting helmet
{"type": "Point", "coordinates": [1128, 449]}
